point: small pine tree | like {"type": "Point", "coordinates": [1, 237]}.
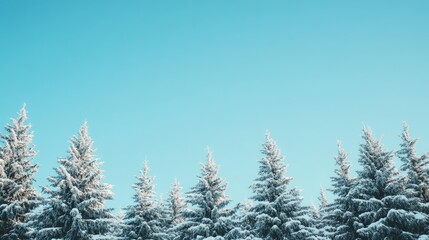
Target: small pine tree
{"type": "Point", "coordinates": [242, 228]}
{"type": "Point", "coordinates": [416, 186]}
{"type": "Point", "coordinates": [74, 208]}
{"type": "Point", "coordinates": [17, 196]}
{"type": "Point", "coordinates": [320, 216]}
{"type": "Point", "coordinates": [118, 225]}
{"type": "Point", "coordinates": [415, 166]}
{"type": "Point", "coordinates": [341, 214]}
{"type": "Point", "coordinates": [277, 213]}
{"type": "Point", "coordinates": [175, 205]}
{"type": "Point", "coordinates": [208, 216]}
{"type": "Point", "coordinates": [175, 208]}
{"type": "Point", "coordinates": [143, 218]}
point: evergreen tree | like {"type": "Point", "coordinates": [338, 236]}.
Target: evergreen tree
{"type": "Point", "coordinates": [277, 213]}
{"type": "Point", "coordinates": [383, 210]}
{"type": "Point", "coordinates": [175, 204]}
{"type": "Point", "coordinates": [17, 196]}
{"type": "Point", "coordinates": [417, 182]}
{"type": "Point", "coordinates": [74, 208]}
{"type": "Point", "coordinates": [175, 208]}
{"type": "Point", "coordinates": [341, 215]}
{"type": "Point", "coordinates": [208, 217]}
{"type": "Point", "coordinates": [320, 217]}
{"type": "Point", "coordinates": [118, 225]}
{"type": "Point", "coordinates": [163, 219]}
{"type": "Point", "coordinates": [143, 219]}
{"type": "Point", "coordinates": [415, 166]}
{"type": "Point", "coordinates": [239, 219]}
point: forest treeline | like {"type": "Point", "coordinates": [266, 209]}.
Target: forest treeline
{"type": "Point", "coordinates": [381, 202]}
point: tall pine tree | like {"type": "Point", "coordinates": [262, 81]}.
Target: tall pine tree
{"type": "Point", "coordinates": [383, 210]}
{"type": "Point", "coordinates": [74, 208]}
{"type": "Point", "coordinates": [17, 196]}
{"type": "Point", "coordinates": [277, 213]}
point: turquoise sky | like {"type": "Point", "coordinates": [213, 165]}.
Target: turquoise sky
{"type": "Point", "coordinates": [162, 80]}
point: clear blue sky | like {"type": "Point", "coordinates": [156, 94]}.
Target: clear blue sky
{"type": "Point", "coordinates": [162, 80]}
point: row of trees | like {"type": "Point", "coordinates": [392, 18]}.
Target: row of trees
{"type": "Point", "coordinates": [379, 203]}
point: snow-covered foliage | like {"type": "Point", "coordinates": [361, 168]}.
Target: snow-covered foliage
{"type": "Point", "coordinates": [321, 222]}
{"type": "Point", "coordinates": [383, 210]}
{"type": "Point", "coordinates": [240, 221]}
{"type": "Point", "coordinates": [416, 167]}
{"type": "Point", "coordinates": [143, 218]}
{"type": "Point", "coordinates": [74, 208]}
{"type": "Point", "coordinates": [17, 196]}
{"type": "Point", "coordinates": [277, 212]}
{"type": "Point", "coordinates": [379, 203]}
{"type": "Point", "coordinates": [342, 215]}
{"type": "Point", "coordinates": [175, 208]}
{"type": "Point", "coordinates": [208, 215]}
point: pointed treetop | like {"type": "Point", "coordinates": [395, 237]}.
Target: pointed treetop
{"type": "Point", "coordinates": [22, 116]}
{"type": "Point", "coordinates": [409, 142]}
{"type": "Point", "coordinates": [270, 147]}
{"type": "Point", "coordinates": [83, 131]}
{"type": "Point", "coordinates": [368, 135]}
{"type": "Point", "coordinates": [176, 185]}
{"type": "Point", "coordinates": [322, 198]}
{"type": "Point", "coordinates": [145, 167]}
{"type": "Point", "coordinates": [210, 166]}
{"type": "Point", "coordinates": [341, 160]}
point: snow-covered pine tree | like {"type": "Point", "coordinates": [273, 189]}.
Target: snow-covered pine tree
{"type": "Point", "coordinates": [384, 212]}
{"type": "Point", "coordinates": [238, 218]}
{"type": "Point", "coordinates": [17, 196]}
{"type": "Point", "coordinates": [323, 202]}
{"type": "Point", "coordinates": [415, 166]}
{"type": "Point", "coordinates": [175, 204]}
{"type": "Point", "coordinates": [341, 214]}
{"type": "Point", "coordinates": [208, 216]}
{"type": "Point", "coordinates": [277, 212]}
{"type": "Point", "coordinates": [143, 218]}
{"type": "Point", "coordinates": [417, 180]}
{"type": "Point", "coordinates": [321, 221]}
{"type": "Point", "coordinates": [74, 208]}
{"type": "Point", "coordinates": [118, 225]}
{"type": "Point", "coordinates": [163, 219]}
{"type": "Point", "coordinates": [174, 208]}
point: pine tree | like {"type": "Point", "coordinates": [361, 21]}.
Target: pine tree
{"type": "Point", "coordinates": [239, 219]}
{"type": "Point", "coordinates": [320, 217]}
{"type": "Point", "coordinates": [175, 204]}
{"type": "Point", "coordinates": [118, 225]}
{"type": "Point", "coordinates": [142, 219]}
{"type": "Point", "coordinates": [277, 213]}
{"type": "Point", "coordinates": [415, 166]}
{"type": "Point", "coordinates": [341, 215]}
{"type": "Point", "coordinates": [175, 208]}
{"type": "Point", "coordinates": [208, 216]}
{"type": "Point", "coordinates": [383, 210]}
{"type": "Point", "coordinates": [74, 208]}
{"type": "Point", "coordinates": [417, 183]}
{"type": "Point", "coordinates": [17, 196]}
{"type": "Point", "coordinates": [163, 219]}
